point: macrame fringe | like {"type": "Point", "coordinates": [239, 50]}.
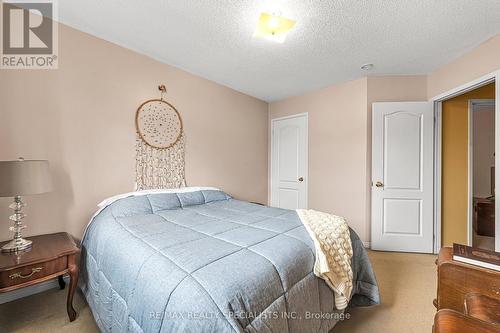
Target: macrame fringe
{"type": "Point", "coordinates": [160, 168]}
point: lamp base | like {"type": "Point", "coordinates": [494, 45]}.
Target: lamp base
{"type": "Point", "coordinates": [17, 245]}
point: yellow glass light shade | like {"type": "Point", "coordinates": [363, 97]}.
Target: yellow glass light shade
{"type": "Point", "coordinates": [273, 27]}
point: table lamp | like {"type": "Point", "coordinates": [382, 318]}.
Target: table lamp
{"type": "Point", "coordinates": [22, 177]}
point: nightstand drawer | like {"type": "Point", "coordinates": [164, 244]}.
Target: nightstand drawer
{"type": "Point", "coordinates": [32, 272]}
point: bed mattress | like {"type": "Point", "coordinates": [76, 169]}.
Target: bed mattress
{"type": "Point", "coordinates": [202, 261]}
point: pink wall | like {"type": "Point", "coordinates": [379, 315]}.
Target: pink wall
{"type": "Point", "coordinates": [340, 141]}
{"type": "Point", "coordinates": [337, 148]}
{"type": "Point", "coordinates": [478, 62]}
{"type": "Point", "coordinates": [345, 160]}
{"type": "Point", "coordinates": [81, 118]}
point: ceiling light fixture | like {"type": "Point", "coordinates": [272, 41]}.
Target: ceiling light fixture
{"type": "Point", "coordinates": [367, 67]}
{"type": "Point", "coordinates": [273, 27]}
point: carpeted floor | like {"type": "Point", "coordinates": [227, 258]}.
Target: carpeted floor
{"type": "Point", "coordinates": [407, 283]}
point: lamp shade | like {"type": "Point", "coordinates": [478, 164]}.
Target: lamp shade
{"type": "Point", "coordinates": [24, 177]}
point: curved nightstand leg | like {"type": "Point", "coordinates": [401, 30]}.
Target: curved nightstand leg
{"type": "Point", "coordinates": [73, 274]}
{"type": "Point", "coordinates": [62, 284]}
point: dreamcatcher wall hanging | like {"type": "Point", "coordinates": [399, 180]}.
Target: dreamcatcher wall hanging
{"type": "Point", "coordinates": [159, 145]}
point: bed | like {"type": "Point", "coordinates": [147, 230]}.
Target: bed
{"type": "Point", "coordinates": [198, 260]}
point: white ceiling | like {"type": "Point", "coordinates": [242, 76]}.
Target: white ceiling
{"type": "Point", "coordinates": [331, 40]}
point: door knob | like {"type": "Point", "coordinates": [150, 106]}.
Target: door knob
{"type": "Point", "coordinates": [301, 179]}
{"type": "Point", "coordinates": [379, 184]}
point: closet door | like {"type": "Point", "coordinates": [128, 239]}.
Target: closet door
{"type": "Point", "coordinates": [289, 162]}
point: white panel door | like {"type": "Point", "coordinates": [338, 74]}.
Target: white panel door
{"type": "Point", "coordinates": [403, 177]}
{"type": "Point", "coordinates": [289, 162]}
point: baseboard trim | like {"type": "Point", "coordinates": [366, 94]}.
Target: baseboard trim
{"type": "Point", "coordinates": [367, 245]}
{"type": "Point", "coordinates": [31, 290]}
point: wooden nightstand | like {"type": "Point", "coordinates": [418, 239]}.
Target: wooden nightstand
{"type": "Point", "coordinates": [51, 257]}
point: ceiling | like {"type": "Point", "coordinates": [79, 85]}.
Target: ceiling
{"type": "Point", "coordinates": [329, 43]}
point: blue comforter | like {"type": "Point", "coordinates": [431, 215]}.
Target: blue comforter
{"type": "Point", "coordinates": [204, 262]}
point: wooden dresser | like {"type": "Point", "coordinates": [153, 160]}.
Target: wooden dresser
{"type": "Point", "coordinates": [484, 216]}
{"type": "Point", "coordinates": [449, 321]}
{"type": "Point", "coordinates": [468, 297]}
{"type": "Point", "coordinates": [456, 280]}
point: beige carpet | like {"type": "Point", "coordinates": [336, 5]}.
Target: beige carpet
{"type": "Point", "coordinates": [407, 283]}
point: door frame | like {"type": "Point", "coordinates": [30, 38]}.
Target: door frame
{"type": "Point", "coordinates": [304, 115]}
{"type": "Point", "coordinates": [438, 102]}
{"type": "Point", "coordinates": [470, 167]}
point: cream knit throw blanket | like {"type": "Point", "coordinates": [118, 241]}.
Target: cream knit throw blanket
{"type": "Point", "coordinates": [333, 245]}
